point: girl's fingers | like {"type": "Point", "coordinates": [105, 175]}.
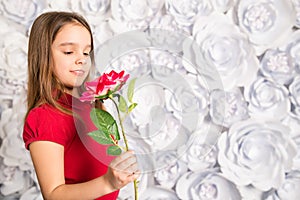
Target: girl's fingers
{"type": "Point", "coordinates": [121, 158]}
{"type": "Point", "coordinates": [124, 169]}
{"type": "Point", "coordinates": [127, 163]}
{"type": "Point", "coordinates": [134, 177]}
{"type": "Point", "coordinates": [132, 168]}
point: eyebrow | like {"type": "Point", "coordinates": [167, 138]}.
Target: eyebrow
{"type": "Point", "coordinates": [72, 44]}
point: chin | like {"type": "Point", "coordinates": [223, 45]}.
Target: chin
{"type": "Point", "coordinates": [78, 83]}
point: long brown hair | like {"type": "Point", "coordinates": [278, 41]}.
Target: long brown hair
{"type": "Point", "coordinates": [42, 81]}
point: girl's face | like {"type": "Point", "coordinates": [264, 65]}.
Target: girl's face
{"type": "Point", "coordinates": [70, 55]}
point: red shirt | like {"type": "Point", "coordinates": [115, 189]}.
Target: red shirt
{"type": "Point", "coordinates": [84, 159]}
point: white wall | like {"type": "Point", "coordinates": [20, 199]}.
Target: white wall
{"type": "Point", "coordinates": [218, 93]}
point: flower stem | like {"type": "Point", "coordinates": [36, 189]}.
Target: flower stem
{"type": "Point", "coordinates": [121, 124]}
{"type": "Point", "coordinates": [116, 144]}
{"type": "Point", "coordinates": [135, 183]}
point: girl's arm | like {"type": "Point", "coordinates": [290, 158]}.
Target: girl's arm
{"type": "Point", "coordinates": [48, 160]}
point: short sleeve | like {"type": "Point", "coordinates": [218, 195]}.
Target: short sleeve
{"type": "Point", "coordinates": [48, 124]}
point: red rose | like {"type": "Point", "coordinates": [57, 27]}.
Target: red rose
{"type": "Point", "coordinates": [103, 86]}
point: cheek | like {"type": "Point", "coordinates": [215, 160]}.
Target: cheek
{"type": "Point", "coordinates": [61, 60]}
{"type": "Point", "coordinates": [62, 67]}
{"type": "Point", "coordinates": [60, 70]}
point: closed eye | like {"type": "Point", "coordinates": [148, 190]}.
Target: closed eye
{"type": "Point", "coordinates": [68, 52]}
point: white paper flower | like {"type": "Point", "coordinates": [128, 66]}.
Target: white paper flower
{"type": "Point", "coordinates": [296, 4]}
{"type": "Point", "coordinates": [249, 192]}
{"type": "Point", "coordinates": [15, 180]}
{"type": "Point", "coordinates": [167, 22]}
{"type": "Point", "coordinates": [166, 39]}
{"type": "Point", "coordinates": [185, 12]}
{"type": "Point", "coordinates": [266, 99]}
{"type": "Point", "coordinates": [94, 11]}
{"type": "Point", "coordinates": [220, 48]}
{"type": "Point", "coordinates": [90, 7]}
{"type": "Point", "coordinates": [23, 12]}
{"type": "Point", "coordinates": [187, 98]}
{"type": "Point", "coordinates": [2, 167]}
{"type": "Point", "coordinates": [12, 151]}
{"type": "Point", "coordinates": [290, 188]}
{"type": "Point", "coordinates": [207, 184]}
{"type": "Point", "coordinates": [197, 153]}
{"type": "Point", "coordinates": [127, 51]}
{"type": "Point", "coordinates": [165, 68]}
{"type": "Point", "coordinates": [131, 14]}
{"type": "Point", "coordinates": [148, 96]}
{"type": "Point", "coordinates": [164, 21]}
{"type": "Point", "coordinates": [14, 55]}
{"type": "Point", "coordinates": [168, 168]}
{"type": "Point", "coordinates": [12, 147]}
{"type": "Point", "coordinates": [292, 46]}
{"type": "Point", "coordinates": [165, 61]}
{"type": "Point", "coordinates": [10, 87]}
{"type": "Point", "coordinates": [5, 26]}
{"type": "Point", "coordinates": [250, 147]}
{"type": "Point", "coordinates": [164, 131]}
{"type": "Point", "coordinates": [293, 122]}
{"type": "Point", "coordinates": [102, 33]}
{"type": "Point", "coordinates": [271, 197]}
{"type": "Point", "coordinates": [227, 107]}
{"type": "Point", "coordinates": [294, 89]}
{"type": "Point", "coordinates": [58, 5]}
{"type": "Point", "coordinates": [136, 63]}
{"type": "Point", "coordinates": [266, 22]}
{"type": "Point", "coordinates": [296, 162]}
{"type": "Point", "coordinates": [158, 193]}
{"type": "Point", "coordinates": [33, 194]}
{"type": "Point", "coordinates": [278, 65]}
{"type": "Point", "coordinates": [6, 113]}
{"type": "Point", "coordinates": [223, 5]}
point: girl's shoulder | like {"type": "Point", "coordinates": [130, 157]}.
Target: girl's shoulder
{"type": "Point", "coordinates": [45, 116]}
{"type": "Point", "coordinates": [47, 111]}
{"type": "Point", "coordinates": [48, 123]}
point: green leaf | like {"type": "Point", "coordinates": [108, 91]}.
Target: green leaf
{"type": "Point", "coordinates": [122, 104]}
{"type": "Point", "coordinates": [114, 150]}
{"type": "Point", "coordinates": [101, 118]}
{"type": "Point", "coordinates": [115, 131]}
{"type": "Point", "coordinates": [132, 106]}
{"type": "Point", "coordinates": [104, 121]}
{"type": "Point", "coordinates": [100, 137]}
{"type": "Point", "coordinates": [131, 90]}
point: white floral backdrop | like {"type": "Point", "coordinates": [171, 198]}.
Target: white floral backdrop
{"type": "Point", "coordinates": [237, 141]}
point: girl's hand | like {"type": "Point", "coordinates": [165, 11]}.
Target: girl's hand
{"type": "Point", "coordinates": [122, 170]}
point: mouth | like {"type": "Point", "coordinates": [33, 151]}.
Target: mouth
{"type": "Point", "coordinates": [78, 72]}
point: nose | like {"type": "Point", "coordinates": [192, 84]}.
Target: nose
{"type": "Point", "coordinates": [81, 61]}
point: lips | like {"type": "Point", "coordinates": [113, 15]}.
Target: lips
{"type": "Point", "coordinates": [78, 72]}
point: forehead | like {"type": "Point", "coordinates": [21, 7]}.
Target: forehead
{"type": "Point", "coordinates": [73, 33]}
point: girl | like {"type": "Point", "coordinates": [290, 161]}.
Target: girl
{"type": "Point", "coordinates": [60, 57]}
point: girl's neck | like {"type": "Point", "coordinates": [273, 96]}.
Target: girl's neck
{"type": "Point", "coordinates": [72, 91]}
